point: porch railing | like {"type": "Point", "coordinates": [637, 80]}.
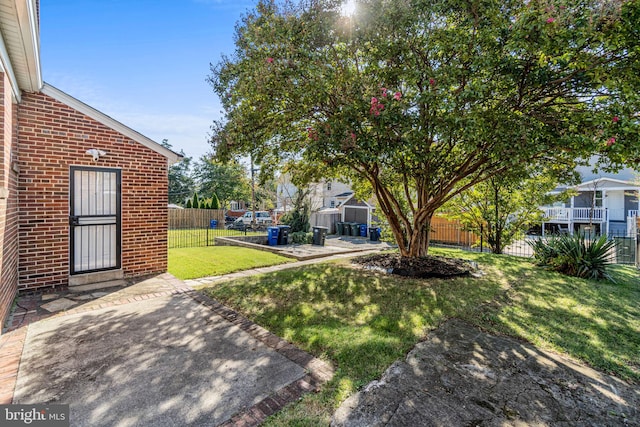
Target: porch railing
{"type": "Point", "coordinates": [586, 214]}
{"type": "Point", "coordinates": [575, 214]}
{"type": "Point", "coordinates": [556, 214]}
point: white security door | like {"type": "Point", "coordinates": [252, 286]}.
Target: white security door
{"type": "Point", "coordinates": [94, 219]}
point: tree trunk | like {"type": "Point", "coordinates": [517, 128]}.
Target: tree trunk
{"type": "Point", "coordinates": [420, 238]}
{"type": "Point", "coordinates": [412, 238]}
{"type": "Point", "coordinates": [498, 239]}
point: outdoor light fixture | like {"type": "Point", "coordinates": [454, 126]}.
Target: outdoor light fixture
{"type": "Point", "coordinates": [96, 154]}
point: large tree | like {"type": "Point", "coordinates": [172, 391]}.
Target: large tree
{"type": "Point", "coordinates": [227, 180]}
{"type": "Point", "coordinates": [181, 183]}
{"type": "Point", "coordinates": [502, 208]}
{"type": "Point", "coordinates": [423, 99]}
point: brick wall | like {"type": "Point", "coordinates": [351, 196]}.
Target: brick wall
{"type": "Point", "coordinates": [8, 202]}
{"type": "Point", "coordinates": [53, 137]}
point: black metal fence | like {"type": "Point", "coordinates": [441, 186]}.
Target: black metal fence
{"type": "Point", "coordinates": [454, 235]}
{"type": "Point", "coordinates": [200, 227]}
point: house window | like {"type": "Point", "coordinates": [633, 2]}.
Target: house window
{"type": "Point", "coordinates": [333, 204]}
{"type": "Point", "coordinates": [329, 187]}
{"type": "Point", "coordinates": [597, 199]}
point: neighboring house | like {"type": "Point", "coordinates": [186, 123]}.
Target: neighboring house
{"type": "Point", "coordinates": [330, 201]}
{"type": "Point", "coordinates": [235, 205]}
{"type": "Point", "coordinates": [285, 194]}
{"type": "Point", "coordinates": [83, 198]}
{"type": "Point", "coordinates": [328, 194]}
{"type": "Point", "coordinates": [603, 205]}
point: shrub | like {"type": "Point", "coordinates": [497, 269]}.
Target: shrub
{"type": "Point", "coordinates": [215, 202]}
{"type": "Point", "coordinates": [575, 255]}
{"type": "Point", "coordinates": [300, 237]}
{"type": "Point", "coordinates": [297, 220]}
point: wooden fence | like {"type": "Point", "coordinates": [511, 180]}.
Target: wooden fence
{"type": "Point", "coordinates": [449, 231]}
{"type": "Point", "coordinates": [180, 219]}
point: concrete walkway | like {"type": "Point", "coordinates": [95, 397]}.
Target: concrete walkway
{"type": "Point", "coordinates": [153, 353]}
{"type": "Point", "coordinates": [462, 376]}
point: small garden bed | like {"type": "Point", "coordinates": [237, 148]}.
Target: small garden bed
{"type": "Point", "coordinates": [424, 267]}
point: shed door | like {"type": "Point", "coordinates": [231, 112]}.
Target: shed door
{"type": "Point", "coordinates": [94, 219]}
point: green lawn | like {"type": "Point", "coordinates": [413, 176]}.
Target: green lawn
{"type": "Point", "coordinates": [361, 321]}
{"type": "Point", "coordinates": [193, 263]}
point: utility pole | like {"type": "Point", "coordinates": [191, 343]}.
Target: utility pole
{"type": "Point", "coordinates": [253, 195]}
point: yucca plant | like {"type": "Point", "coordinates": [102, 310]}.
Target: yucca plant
{"type": "Point", "coordinates": [543, 251]}
{"type": "Point", "coordinates": [575, 255]}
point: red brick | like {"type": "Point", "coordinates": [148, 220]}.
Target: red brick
{"type": "Point", "coordinates": [53, 137]}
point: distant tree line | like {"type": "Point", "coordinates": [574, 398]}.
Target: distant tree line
{"type": "Point", "coordinates": [209, 184]}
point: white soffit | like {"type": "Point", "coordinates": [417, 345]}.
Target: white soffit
{"type": "Point", "coordinates": [20, 45]}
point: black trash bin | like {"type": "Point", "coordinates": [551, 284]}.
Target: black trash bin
{"type": "Point", "coordinates": [319, 235]}
{"type": "Point", "coordinates": [339, 228]}
{"type": "Point", "coordinates": [355, 229]}
{"type": "Point", "coordinates": [374, 234]}
{"type": "Point", "coordinates": [283, 234]}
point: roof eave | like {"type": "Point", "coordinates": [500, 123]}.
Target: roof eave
{"type": "Point", "coordinates": [590, 185]}
{"type": "Point", "coordinates": [31, 38]}
{"type": "Point", "coordinates": [20, 46]}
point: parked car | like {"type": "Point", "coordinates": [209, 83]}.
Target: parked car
{"type": "Point", "coordinates": [263, 219]}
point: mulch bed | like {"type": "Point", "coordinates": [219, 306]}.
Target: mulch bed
{"type": "Point", "coordinates": [423, 267]}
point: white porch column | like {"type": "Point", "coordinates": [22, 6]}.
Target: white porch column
{"type": "Point", "coordinates": [605, 213]}
{"type": "Point", "coordinates": [570, 225]}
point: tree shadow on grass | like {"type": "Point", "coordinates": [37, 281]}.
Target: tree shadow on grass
{"type": "Point", "coordinates": [361, 321]}
{"type": "Point", "coordinates": [598, 322]}
{"type": "Point", "coordinates": [364, 321]}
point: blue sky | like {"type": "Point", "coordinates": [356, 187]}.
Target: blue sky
{"type": "Point", "coordinates": [142, 62]}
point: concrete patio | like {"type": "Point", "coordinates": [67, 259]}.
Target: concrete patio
{"type": "Point", "coordinates": [155, 353]}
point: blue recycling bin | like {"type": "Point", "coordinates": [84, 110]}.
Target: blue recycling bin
{"type": "Point", "coordinates": [213, 223]}
{"type": "Point", "coordinates": [363, 230]}
{"type": "Point", "coordinates": [374, 234]}
{"type": "Point", "coordinates": [272, 235]}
